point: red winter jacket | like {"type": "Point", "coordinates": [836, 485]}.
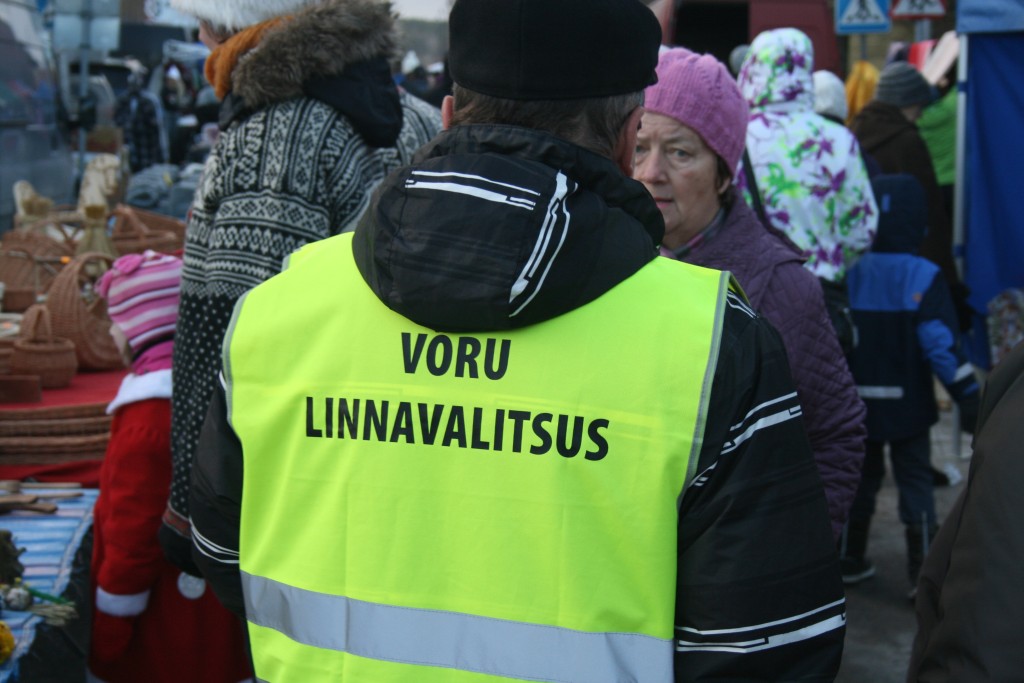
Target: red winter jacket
{"type": "Point", "coordinates": [145, 627]}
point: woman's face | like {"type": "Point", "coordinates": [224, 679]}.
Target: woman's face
{"type": "Point", "coordinates": [680, 172]}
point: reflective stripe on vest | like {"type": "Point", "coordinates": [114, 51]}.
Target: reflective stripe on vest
{"type": "Point", "coordinates": [431, 507]}
{"type": "Point", "coordinates": [453, 641]}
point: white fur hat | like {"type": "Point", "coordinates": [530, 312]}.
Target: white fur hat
{"type": "Point", "coordinates": [239, 14]}
{"type": "Point", "coordinates": [829, 95]}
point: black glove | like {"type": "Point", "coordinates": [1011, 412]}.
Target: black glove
{"type": "Point", "coordinates": [178, 550]}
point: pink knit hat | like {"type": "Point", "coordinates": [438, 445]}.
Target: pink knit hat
{"type": "Point", "coordinates": [142, 296]}
{"type": "Point", "coordinates": [698, 92]}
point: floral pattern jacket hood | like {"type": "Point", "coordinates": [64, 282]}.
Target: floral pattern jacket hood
{"type": "Point", "coordinates": [809, 170]}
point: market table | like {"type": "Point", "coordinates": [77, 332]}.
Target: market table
{"type": "Point", "coordinates": [76, 414]}
{"type": "Point", "coordinates": [56, 560]}
{"type": "Point", "coordinates": [86, 387]}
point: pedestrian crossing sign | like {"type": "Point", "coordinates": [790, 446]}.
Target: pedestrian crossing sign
{"type": "Point", "coordinates": [919, 9]}
{"type": "Point", "coordinates": [864, 16]}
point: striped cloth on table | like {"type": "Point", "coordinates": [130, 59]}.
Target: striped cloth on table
{"type": "Point", "coordinates": [50, 543]}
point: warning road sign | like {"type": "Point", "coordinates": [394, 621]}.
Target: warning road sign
{"type": "Point", "coordinates": [919, 9]}
{"type": "Point", "coordinates": [862, 16]}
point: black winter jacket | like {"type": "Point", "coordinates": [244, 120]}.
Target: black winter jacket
{"type": "Point", "coordinates": [758, 591]}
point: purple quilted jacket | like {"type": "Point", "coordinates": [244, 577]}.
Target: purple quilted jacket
{"type": "Point", "coordinates": [790, 297]}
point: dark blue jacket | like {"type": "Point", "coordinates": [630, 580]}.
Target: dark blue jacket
{"type": "Point", "coordinates": [906, 321]}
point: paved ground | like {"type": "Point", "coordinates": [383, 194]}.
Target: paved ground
{"type": "Point", "coordinates": [880, 620]}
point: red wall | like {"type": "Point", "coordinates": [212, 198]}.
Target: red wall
{"type": "Point", "coordinates": [813, 17]}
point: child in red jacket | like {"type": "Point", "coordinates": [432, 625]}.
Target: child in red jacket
{"type": "Point", "coordinates": [151, 622]}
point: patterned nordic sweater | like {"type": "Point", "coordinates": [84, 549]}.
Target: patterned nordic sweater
{"type": "Point", "coordinates": [291, 172]}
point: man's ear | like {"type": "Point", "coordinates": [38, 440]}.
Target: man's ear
{"type": "Point", "coordinates": [447, 111]}
{"type": "Point", "coordinates": [625, 146]}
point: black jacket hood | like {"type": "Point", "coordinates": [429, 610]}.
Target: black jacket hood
{"type": "Point", "coordinates": [902, 213]}
{"type": "Point", "coordinates": [498, 227]}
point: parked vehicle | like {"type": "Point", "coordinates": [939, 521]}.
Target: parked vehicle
{"type": "Point", "coordinates": [117, 70]}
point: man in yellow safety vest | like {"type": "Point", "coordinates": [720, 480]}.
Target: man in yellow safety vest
{"type": "Point", "coordinates": [490, 435]}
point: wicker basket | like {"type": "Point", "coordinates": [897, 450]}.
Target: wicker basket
{"type": "Point", "coordinates": [38, 352]}
{"type": "Point", "coordinates": [54, 413]}
{"type": "Point", "coordinates": [83, 318]}
{"type": "Point", "coordinates": [64, 221]}
{"type": "Point", "coordinates": [29, 261]}
{"type": "Point", "coordinates": [53, 434]}
{"type": "Point", "coordinates": [18, 299]}
{"type": "Point", "coordinates": [134, 233]}
{"type": "Point", "coordinates": [77, 447]}
{"type": "Point", "coordinates": [80, 426]}
{"type": "Point", "coordinates": [161, 223]}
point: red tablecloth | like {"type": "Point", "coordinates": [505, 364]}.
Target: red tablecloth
{"type": "Point", "coordinates": [86, 388]}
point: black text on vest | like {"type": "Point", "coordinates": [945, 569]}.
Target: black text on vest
{"type": "Point", "coordinates": [498, 430]}
{"type": "Point", "coordinates": [442, 354]}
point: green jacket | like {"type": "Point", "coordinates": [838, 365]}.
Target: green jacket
{"type": "Point", "coordinates": [938, 128]}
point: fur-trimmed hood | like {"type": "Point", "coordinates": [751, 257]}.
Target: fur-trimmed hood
{"type": "Point", "coordinates": [317, 44]}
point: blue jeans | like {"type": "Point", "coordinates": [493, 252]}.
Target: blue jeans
{"type": "Point", "coordinates": [911, 467]}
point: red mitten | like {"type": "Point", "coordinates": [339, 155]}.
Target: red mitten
{"type": "Point", "coordinates": [110, 635]}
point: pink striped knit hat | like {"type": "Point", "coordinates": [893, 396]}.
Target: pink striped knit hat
{"type": "Point", "coordinates": [142, 296]}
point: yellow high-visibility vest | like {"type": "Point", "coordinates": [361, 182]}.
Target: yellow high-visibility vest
{"type": "Point", "coordinates": [421, 506]}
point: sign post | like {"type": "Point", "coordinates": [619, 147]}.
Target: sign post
{"type": "Point", "coordinates": [919, 9]}
{"type": "Point", "coordinates": [861, 17]}
{"type": "Point", "coordinates": [921, 12]}
{"type": "Point", "coordinates": [858, 17]}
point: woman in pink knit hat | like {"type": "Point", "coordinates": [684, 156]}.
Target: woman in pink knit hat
{"type": "Point", "coordinates": [688, 148]}
{"type": "Point", "coordinates": [151, 622]}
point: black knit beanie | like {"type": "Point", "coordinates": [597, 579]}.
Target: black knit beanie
{"type": "Point", "coordinates": [553, 49]}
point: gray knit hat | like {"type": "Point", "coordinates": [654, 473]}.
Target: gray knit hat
{"type": "Point", "coordinates": [901, 85]}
